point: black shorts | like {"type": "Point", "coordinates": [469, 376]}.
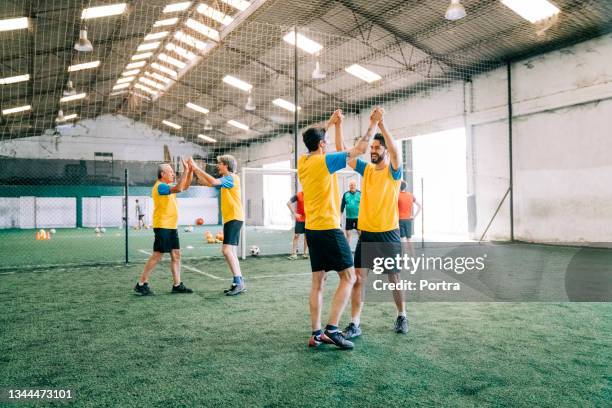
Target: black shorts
{"type": "Point", "coordinates": [373, 245]}
{"type": "Point", "coordinates": [405, 227]}
{"type": "Point", "coordinates": [351, 224]}
{"type": "Point", "coordinates": [329, 250]}
{"type": "Point", "coordinates": [231, 232]}
{"type": "Point", "coordinates": [165, 240]}
{"type": "Point", "coordinates": [300, 227]}
{"type": "Point", "coordinates": [141, 216]}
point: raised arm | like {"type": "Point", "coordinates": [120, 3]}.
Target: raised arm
{"type": "Point", "coordinates": [361, 145]}
{"type": "Point", "coordinates": [204, 178]}
{"type": "Point", "coordinates": [182, 185]}
{"type": "Point", "coordinates": [336, 121]}
{"type": "Point", "coordinates": [389, 141]}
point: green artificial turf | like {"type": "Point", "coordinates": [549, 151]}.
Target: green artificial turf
{"type": "Point", "coordinates": [83, 328]}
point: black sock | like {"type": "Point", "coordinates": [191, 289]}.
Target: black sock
{"type": "Point", "coordinates": [317, 333]}
{"type": "Point", "coordinates": [330, 328]}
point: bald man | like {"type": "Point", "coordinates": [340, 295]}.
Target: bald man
{"type": "Point", "coordinates": [165, 220]}
{"type": "Point", "coordinates": [350, 203]}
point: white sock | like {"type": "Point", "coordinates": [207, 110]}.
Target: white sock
{"type": "Point", "coordinates": [356, 321]}
{"type": "Point", "coordinates": [402, 314]}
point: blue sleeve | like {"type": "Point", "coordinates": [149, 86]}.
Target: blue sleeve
{"type": "Point", "coordinates": [360, 167]}
{"type": "Point", "coordinates": [163, 189]}
{"type": "Point", "coordinates": [226, 182]}
{"type": "Point", "coordinates": [396, 174]}
{"type": "Point", "coordinates": [335, 161]}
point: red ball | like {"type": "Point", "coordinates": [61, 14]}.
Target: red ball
{"type": "Point", "coordinates": [200, 221]}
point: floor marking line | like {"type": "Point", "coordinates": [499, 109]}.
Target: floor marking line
{"type": "Point", "coordinates": [190, 268]}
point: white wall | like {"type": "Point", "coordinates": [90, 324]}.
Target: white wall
{"type": "Point", "coordinates": [562, 103]}
{"type": "Point", "coordinates": [125, 138]}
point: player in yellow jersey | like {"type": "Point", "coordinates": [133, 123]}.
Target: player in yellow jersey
{"type": "Point", "coordinates": [378, 222]}
{"type": "Point", "coordinates": [231, 211]}
{"type": "Point", "coordinates": [329, 249]}
{"type": "Point", "coordinates": [165, 219]}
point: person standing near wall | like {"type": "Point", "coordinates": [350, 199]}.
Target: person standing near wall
{"type": "Point", "coordinates": [139, 216]}
{"type": "Point", "coordinates": [350, 202]}
{"type": "Point", "coordinates": [406, 203]}
{"type": "Point", "coordinates": [300, 224]}
{"type": "Point", "coordinates": [165, 222]}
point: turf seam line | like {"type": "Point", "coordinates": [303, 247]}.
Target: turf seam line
{"type": "Point", "coordinates": [191, 268]}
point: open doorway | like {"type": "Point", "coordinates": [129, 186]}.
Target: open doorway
{"type": "Point", "coordinates": [277, 191]}
{"type": "Point", "coordinates": [439, 163]}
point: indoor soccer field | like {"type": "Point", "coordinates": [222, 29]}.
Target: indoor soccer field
{"type": "Point", "coordinates": [471, 138]}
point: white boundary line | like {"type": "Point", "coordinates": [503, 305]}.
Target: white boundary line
{"type": "Point", "coordinates": [210, 275]}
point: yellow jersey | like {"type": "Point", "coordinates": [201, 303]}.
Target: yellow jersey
{"type": "Point", "coordinates": [320, 187]}
{"type": "Point", "coordinates": [165, 209]}
{"type": "Point", "coordinates": [231, 202]}
{"type": "Point", "coordinates": [380, 189]}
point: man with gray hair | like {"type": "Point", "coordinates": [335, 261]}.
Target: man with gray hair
{"type": "Point", "coordinates": [165, 220]}
{"type": "Point", "coordinates": [231, 211]}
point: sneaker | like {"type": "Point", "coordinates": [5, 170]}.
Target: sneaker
{"type": "Point", "coordinates": [292, 257]}
{"type": "Point", "coordinates": [236, 290]}
{"type": "Point", "coordinates": [305, 256]}
{"type": "Point", "coordinates": [401, 325]}
{"type": "Point", "coordinates": [316, 341]}
{"type": "Point", "coordinates": [337, 338]}
{"type": "Point", "coordinates": [351, 331]}
{"type": "Point", "coordinates": [181, 288]}
{"type": "Point", "coordinates": [143, 289]}
{"type": "Point", "coordinates": [230, 288]}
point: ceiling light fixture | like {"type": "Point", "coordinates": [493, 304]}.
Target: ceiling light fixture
{"type": "Point", "coordinates": [148, 46]}
{"type": "Point", "coordinates": [10, 24]}
{"type": "Point", "coordinates": [159, 77]}
{"type": "Point", "coordinates": [83, 44]}
{"type": "Point", "coordinates": [238, 4]}
{"type": "Point", "coordinates": [69, 91]}
{"type": "Point", "coordinates": [363, 73]}
{"type": "Point", "coordinates": [189, 40]}
{"type": "Point", "coordinates": [237, 83]}
{"type": "Point", "coordinates": [171, 124]}
{"type": "Point", "coordinates": [144, 55]}
{"type": "Point", "coordinates": [172, 61]}
{"type": "Point", "coordinates": [156, 36]}
{"type": "Point", "coordinates": [207, 138]}
{"type": "Point", "coordinates": [125, 79]}
{"type": "Point", "coordinates": [14, 79]}
{"type": "Point", "coordinates": [173, 8]}
{"type": "Point", "coordinates": [197, 108]}
{"type": "Point", "coordinates": [214, 14]}
{"type": "Point", "coordinates": [121, 86]}
{"type": "Point", "coordinates": [181, 51]}
{"type": "Point", "coordinates": [203, 29]}
{"type": "Point", "coordinates": [317, 73]}
{"type": "Point", "coordinates": [103, 11]}
{"type": "Point", "coordinates": [281, 103]}
{"type": "Point", "coordinates": [145, 88]}
{"type": "Point", "coordinates": [138, 64]}
{"type": "Point", "coordinates": [208, 125]}
{"type": "Point", "coordinates": [238, 125]}
{"type": "Point", "coordinates": [151, 83]}
{"type": "Point", "coordinates": [73, 97]}
{"type": "Point", "coordinates": [163, 69]}
{"type": "Point", "coordinates": [85, 65]}
{"type": "Point", "coordinates": [166, 22]}
{"type": "Point", "coordinates": [532, 10]}
{"type": "Point", "coordinates": [304, 43]}
{"type": "Point", "coordinates": [250, 105]}
{"type": "Point", "coordinates": [16, 110]}
{"type": "Point", "coordinates": [130, 72]}
{"type": "Point", "coordinates": [455, 11]}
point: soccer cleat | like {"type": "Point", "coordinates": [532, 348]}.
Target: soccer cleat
{"type": "Point", "coordinates": [401, 325]}
{"type": "Point", "coordinates": [236, 290]}
{"type": "Point", "coordinates": [143, 289]}
{"type": "Point", "coordinates": [305, 256]}
{"type": "Point", "coordinates": [337, 338]}
{"type": "Point", "coordinates": [351, 331]}
{"type": "Point", "coordinates": [316, 341]}
{"type": "Point", "coordinates": [230, 288]}
{"type": "Point", "coordinates": [292, 257]}
{"type": "Point", "coordinates": [181, 288]}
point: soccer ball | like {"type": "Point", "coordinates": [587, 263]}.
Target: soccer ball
{"type": "Point", "coordinates": [52, 230]}
{"type": "Point", "coordinates": [200, 221]}
{"type": "Point", "coordinates": [97, 230]}
{"type": "Point", "coordinates": [103, 230]}
{"type": "Point", "coordinates": [254, 250]}
{"type": "Point", "coordinates": [189, 229]}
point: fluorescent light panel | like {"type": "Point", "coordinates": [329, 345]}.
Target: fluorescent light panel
{"type": "Point", "coordinates": [237, 124]}
{"type": "Point", "coordinates": [156, 36]}
{"type": "Point", "coordinates": [304, 43]}
{"type": "Point", "coordinates": [70, 117]}
{"type": "Point", "coordinates": [144, 55]}
{"type": "Point", "coordinates": [151, 83]}
{"type": "Point", "coordinates": [532, 10]}
{"type": "Point", "coordinates": [171, 124]}
{"type": "Point", "coordinates": [170, 60]}
{"type": "Point", "coordinates": [121, 86]}
{"type": "Point", "coordinates": [85, 65]}
{"type": "Point", "coordinates": [363, 73]}
{"type": "Point", "coordinates": [16, 110]}
{"type": "Point", "coordinates": [166, 22]}
{"type": "Point", "coordinates": [163, 69]}
{"type": "Point", "coordinates": [203, 29]}
{"type": "Point", "coordinates": [214, 14]}
{"type": "Point", "coordinates": [159, 77]}
{"type": "Point", "coordinates": [197, 108]}
{"type": "Point", "coordinates": [238, 83]}
{"type": "Point", "coordinates": [125, 79]}
{"type": "Point", "coordinates": [207, 138]}
{"type": "Point", "coordinates": [148, 46]}
{"type": "Point", "coordinates": [238, 4]}
{"type": "Point", "coordinates": [281, 103]}
{"type": "Point", "coordinates": [145, 88]}
{"type": "Point", "coordinates": [173, 8]}
{"type": "Point", "coordinates": [14, 23]}
{"type": "Point", "coordinates": [180, 51]}
{"type": "Point", "coordinates": [138, 64]}
{"type": "Point", "coordinates": [130, 72]}
{"type": "Point", "coordinates": [103, 11]}
{"type": "Point", "coordinates": [14, 79]}
{"type": "Point", "coordinates": [118, 93]}
{"type": "Point", "coordinates": [73, 97]}
{"type": "Point", "coordinates": [189, 40]}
